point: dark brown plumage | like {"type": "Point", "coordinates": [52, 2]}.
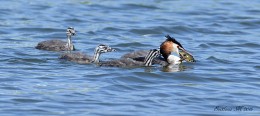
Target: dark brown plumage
{"type": "Point", "coordinates": [58, 45]}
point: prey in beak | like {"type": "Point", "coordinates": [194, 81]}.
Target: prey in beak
{"type": "Point", "coordinates": [185, 55]}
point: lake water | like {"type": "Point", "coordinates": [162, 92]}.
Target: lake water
{"type": "Point", "coordinates": [223, 36]}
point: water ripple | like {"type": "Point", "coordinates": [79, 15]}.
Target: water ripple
{"type": "Point", "coordinates": [27, 100]}
{"type": "Point", "coordinates": [218, 60]}
{"type": "Point", "coordinates": [140, 6]}
{"type": "Point", "coordinates": [248, 45]}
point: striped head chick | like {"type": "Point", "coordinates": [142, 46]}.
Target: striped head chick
{"type": "Point", "coordinates": [70, 32]}
{"type": "Point", "coordinates": [99, 50]}
{"type": "Point", "coordinates": [153, 53]}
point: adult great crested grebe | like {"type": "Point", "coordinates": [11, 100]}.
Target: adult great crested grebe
{"type": "Point", "coordinates": [58, 45]}
{"type": "Point", "coordinates": [129, 62]}
{"type": "Point", "coordinates": [86, 59]}
{"type": "Point", "coordinates": [172, 45]}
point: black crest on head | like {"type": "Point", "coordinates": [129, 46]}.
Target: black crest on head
{"type": "Point", "coordinates": [169, 38]}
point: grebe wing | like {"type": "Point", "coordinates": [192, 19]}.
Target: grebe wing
{"type": "Point", "coordinates": [78, 57]}
{"type": "Point", "coordinates": [136, 54]}
{"type": "Point", "coordinates": [52, 45]}
{"type": "Point", "coordinates": [123, 62]}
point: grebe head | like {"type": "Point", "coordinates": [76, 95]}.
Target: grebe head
{"type": "Point", "coordinates": [104, 48]}
{"type": "Point", "coordinates": [172, 45]}
{"type": "Point", "coordinates": [150, 56]}
{"type": "Point", "coordinates": [70, 31]}
{"type": "Point", "coordinates": [101, 49]}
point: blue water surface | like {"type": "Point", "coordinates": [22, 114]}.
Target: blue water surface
{"type": "Point", "coordinates": [223, 36]}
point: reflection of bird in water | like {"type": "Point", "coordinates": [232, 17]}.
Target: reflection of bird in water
{"type": "Point", "coordinates": [173, 68]}
{"type": "Point", "coordinates": [129, 62]}
{"type": "Point", "coordinates": [86, 59]}
{"type": "Point", "coordinates": [58, 45]}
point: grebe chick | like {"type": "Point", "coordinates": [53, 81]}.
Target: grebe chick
{"type": "Point", "coordinates": [140, 56]}
{"type": "Point", "coordinates": [172, 45]}
{"type": "Point", "coordinates": [86, 59]}
{"type": "Point", "coordinates": [129, 62]}
{"type": "Point", "coordinates": [58, 45]}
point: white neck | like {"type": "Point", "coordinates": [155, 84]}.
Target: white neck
{"type": "Point", "coordinates": [174, 60]}
{"type": "Point", "coordinates": [69, 44]}
{"type": "Point", "coordinates": [175, 48]}
{"type": "Point", "coordinates": [96, 56]}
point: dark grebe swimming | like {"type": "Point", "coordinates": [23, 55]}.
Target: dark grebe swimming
{"type": "Point", "coordinates": [58, 45]}
{"type": "Point", "coordinates": [129, 62]}
{"type": "Point", "coordinates": [86, 59]}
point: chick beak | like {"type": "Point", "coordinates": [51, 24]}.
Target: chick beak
{"type": "Point", "coordinates": [74, 33]}
{"type": "Point", "coordinates": [111, 50]}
